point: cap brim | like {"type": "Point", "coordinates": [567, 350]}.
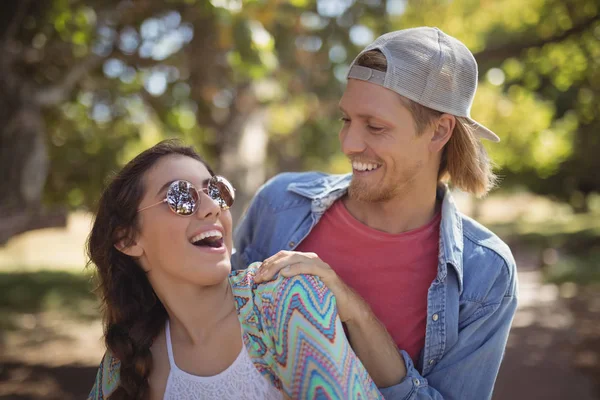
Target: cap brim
{"type": "Point", "coordinates": [484, 132]}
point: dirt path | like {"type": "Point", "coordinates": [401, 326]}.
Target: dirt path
{"type": "Point", "coordinates": [49, 357]}
{"type": "Point", "coordinates": [543, 356]}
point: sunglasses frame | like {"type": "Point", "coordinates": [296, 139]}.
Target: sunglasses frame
{"type": "Point", "coordinates": [212, 182]}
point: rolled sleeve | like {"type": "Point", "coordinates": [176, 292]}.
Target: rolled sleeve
{"type": "Point", "coordinates": [410, 385]}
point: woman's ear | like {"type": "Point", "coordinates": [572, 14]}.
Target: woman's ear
{"type": "Point", "coordinates": [443, 131]}
{"type": "Point", "coordinates": [128, 246]}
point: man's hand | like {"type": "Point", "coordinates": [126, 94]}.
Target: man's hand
{"type": "Point", "coordinates": [291, 263]}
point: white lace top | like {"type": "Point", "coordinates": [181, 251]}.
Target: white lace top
{"type": "Point", "coordinates": [241, 380]}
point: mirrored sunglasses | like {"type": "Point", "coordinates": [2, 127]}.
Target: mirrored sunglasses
{"type": "Point", "coordinates": [183, 197]}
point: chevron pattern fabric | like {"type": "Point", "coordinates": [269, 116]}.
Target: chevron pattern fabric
{"type": "Point", "coordinates": [107, 377]}
{"type": "Point", "coordinates": [294, 335]}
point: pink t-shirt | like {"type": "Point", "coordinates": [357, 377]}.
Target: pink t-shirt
{"type": "Point", "coordinates": [391, 272]}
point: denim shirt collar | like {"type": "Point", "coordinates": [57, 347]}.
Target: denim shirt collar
{"type": "Point", "coordinates": [322, 192]}
{"type": "Point", "coordinates": [326, 190]}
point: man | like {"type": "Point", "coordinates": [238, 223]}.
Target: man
{"type": "Point", "coordinates": [443, 286]}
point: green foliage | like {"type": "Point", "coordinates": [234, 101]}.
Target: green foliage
{"type": "Point", "coordinates": [181, 68]}
{"type": "Point", "coordinates": [577, 269]}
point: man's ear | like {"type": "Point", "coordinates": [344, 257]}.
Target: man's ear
{"type": "Point", "coordinates": [129, 246]}
{"type": "Point", "coordinates": [443, 132]}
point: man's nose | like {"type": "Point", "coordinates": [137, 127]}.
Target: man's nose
{"type": "Point", "coordinates": [352, 140]}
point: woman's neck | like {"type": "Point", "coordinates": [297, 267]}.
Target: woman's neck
{"type": "Point", "coordinates": [196, 312]}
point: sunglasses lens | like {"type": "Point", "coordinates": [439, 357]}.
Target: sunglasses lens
{"type": "Point", "coordinates": [221, 191]}
{"type": "Point", "coordinates": [182, 198]}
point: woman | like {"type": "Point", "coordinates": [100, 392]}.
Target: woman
{"type": "Point", "coordinates": [178, 325]}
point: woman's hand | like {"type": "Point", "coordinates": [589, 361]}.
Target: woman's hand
{"type": "Point", "coordinates": [292, 263]}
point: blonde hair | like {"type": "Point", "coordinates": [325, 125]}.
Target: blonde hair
{"type": "Point", "coordinates": [465, 162]}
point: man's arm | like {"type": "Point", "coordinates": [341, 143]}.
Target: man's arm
{"type": "Point", "coordinates": [370, 339]}
{"type": "Point", "coordinates": [374, 346]}
{"type": "Point", "coordinates": [469, 365]}
{"type": "Point", "coordinates": [468, 370]}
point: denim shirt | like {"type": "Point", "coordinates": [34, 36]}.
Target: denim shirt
{"type": "Point", "coordinates": [470, 303]}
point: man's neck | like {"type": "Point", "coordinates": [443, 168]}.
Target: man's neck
{"type": "Point", "coordinates": [400, 214]}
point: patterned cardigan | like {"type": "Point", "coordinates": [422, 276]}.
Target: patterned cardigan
{"type": "Point", "coordinates": [294, 337]}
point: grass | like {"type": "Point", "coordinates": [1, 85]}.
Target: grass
{"type": "Point", "coordinates": [568, 244]}
{"type": "Point", "coordinates": [45, 291]}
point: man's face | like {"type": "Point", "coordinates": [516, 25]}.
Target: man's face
{"type": "Point", "coordinates": [380, 139]}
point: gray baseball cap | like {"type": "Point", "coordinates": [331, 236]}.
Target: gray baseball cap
{"type": "Point", "coordinates": [429, 67]}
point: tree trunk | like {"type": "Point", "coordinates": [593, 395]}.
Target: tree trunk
{"type": "Point", "coordinates": [244, 159]}
{"type": "Point", "coordinates": [23, 165]}
{"type": "Point", "coordinates": [241, 144]}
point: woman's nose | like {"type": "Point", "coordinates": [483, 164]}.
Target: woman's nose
{"type": "Point", "coordinates": [207, 207]}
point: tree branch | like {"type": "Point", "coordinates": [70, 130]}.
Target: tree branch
{"type": "Point", "coordinates": [517, 46]}
{"type": "Point", "coordinates": [59, 92]}
{"type": "Point", "coordinates": [14, 222]}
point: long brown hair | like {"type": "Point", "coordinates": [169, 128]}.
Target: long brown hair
{"type": "Point", "coordinates": [464, 161]}
{"type": "Point", "coordinates": [133, 314]}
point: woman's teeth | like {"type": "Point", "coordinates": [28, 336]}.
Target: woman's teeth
{"type": "Point", "coordinates": [213, 235]}
{"type": "Point", "coordinates": [360, 166]}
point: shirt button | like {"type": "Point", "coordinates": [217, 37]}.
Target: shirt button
{"type": "Point", "coordinates": [431, 362]}
{"type": "Point", "coordinates": [292, 244]}
{"type": "Point", "coordinates": [416, 382]}
{"type": "Point", "coordinates": [435, 317]}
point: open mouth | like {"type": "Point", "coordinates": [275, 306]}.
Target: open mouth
{"type": "Point", "coordinates": [365, 166]}
{"type": "Point", "coordinates": [212, 239]}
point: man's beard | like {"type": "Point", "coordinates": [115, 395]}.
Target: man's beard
{"type": "Point", "coordinates": [361, 191]}
{"type": "Point", "coordinates": [384, 190]}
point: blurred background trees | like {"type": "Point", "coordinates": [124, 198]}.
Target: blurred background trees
{"type": "Point", "coordinates": [254, 85]}
{"type": "Point", "coordinates": [85, 85]}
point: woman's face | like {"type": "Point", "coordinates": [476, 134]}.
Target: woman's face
{"type": "Point", "coordinates": [168, 243]}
